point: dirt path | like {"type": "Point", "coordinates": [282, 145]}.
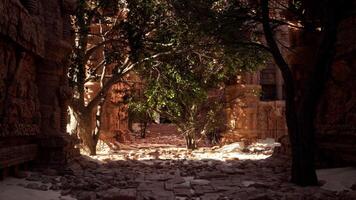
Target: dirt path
{"type": "Point", "coordinates": [162, 171]}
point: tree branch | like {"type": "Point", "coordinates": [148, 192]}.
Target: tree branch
{"type": "Point", "coordinates": [126, 69]}
{"type": "Point", "coordinates": [286, 72]}
{"type": "Point", "coordinates": [90, 51]}
{"type": "Point", "coordinates": [271, 42]}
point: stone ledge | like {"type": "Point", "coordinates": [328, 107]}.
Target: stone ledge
{"type": "Point", "coordinates": [10, 156]}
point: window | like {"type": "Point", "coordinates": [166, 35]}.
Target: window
{"type": "Point", "coordinates": [268, 92]}
{"type": "Point", "coordinates": [30, 5]}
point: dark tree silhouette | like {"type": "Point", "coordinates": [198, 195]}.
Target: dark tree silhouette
{"type": "Point", "coordinates": [301, 110]}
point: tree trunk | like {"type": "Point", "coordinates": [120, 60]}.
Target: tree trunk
{"type": "Point", "coordinates": [143, 129]}
{"type": "Point", "coordinates": [303, 172]}
{"type": "Point", "coordinates": [92, 148]}
{"type": "Point", "coordinates": [313, 89]}
{"type": "Point", "coordinates": [86, 132]}
{"type": "Point", "coordinates": [98, 124]}
{"type": "Point", "coordinates": [130, 122]}
{"type": "Point", "coordinates": [303, 168]}
{"type": "Point", "coordinates": [190, 140]}
{"type": "Point", "coordinates": [300, 115]}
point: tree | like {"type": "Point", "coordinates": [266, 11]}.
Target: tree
{"type": "Point", "coordinates": [139, 114]}
{"type": "Point", "coordinates": [301, 111]}
{"type": "Point", "coordinates": [191, 98]}
{"type": "Point", "coordinates": [301, 102]}
{"type": "Point", "coordinates": [122, 29]}
{"type": "Point", "coordinates": [178, 87]}
{"type": "Point", "coordinates": [136, 34]}
{"type": "Point", "coordinates": [90, 13]}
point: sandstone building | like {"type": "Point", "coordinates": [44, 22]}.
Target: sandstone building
{"type": "Point", "coordinates": [260, 114]}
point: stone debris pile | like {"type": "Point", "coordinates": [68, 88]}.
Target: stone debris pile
{"type": "Point", "coordinates": [164, 171]}
{"type": "Point", "coordinates": [163, 179]}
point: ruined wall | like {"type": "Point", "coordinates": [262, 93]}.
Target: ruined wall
{"type": "Point", "coordinates": [336, 116]}
{"type": "Point", "coordinates": [261, 113]}
{"type": "Point", "coordinates": [250, 118]}
{"type": "Point", "coordinates": [115, 117]}
{"type": "Point", "coordinates": [19, 104]}
{"type": "Point", "coordinates": [35, 39]}
{"type": "Point", "coordinates": [115, 122]}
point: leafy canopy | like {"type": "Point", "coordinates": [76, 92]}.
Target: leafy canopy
{"type": "Point", "coordinates": [209, 43]}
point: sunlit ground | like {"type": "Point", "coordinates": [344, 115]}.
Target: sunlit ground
{"type": "Point", "coordinates": [161, 168]}
{"type": "Point", "coordinates": [235, 151]}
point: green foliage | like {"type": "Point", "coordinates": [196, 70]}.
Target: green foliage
{"type": "Point", "coordinates": [182, 50]}
{"type": "Point", "coordinates": [209, 43]}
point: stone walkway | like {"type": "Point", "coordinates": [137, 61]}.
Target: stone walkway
{"type": "Point", "coordinates": [163, 171]}
{"type": "Point", "coordinates": [156, 179]}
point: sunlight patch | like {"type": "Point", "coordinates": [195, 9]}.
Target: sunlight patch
{"type": "Point", "coordinates": [235, 151]}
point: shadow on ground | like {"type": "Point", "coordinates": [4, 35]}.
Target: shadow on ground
{"type": "Point", "coordinates": [267, 179]}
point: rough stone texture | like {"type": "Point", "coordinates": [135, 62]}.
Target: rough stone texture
{"type": "Point", "coordinates": [140, 180]}
{"type": "Point", "coordinates": [250, 117]}
{"type": "Point", "coordinates": [20, 112]}
{"type": "Point", "coordinates": [22, 27]}
{"type": "Point", "coordinates": [200, 174]}
{"type": "Point", "coordinates": [336, 119]}
{"type": "Point", "coordinates": [35, 40]}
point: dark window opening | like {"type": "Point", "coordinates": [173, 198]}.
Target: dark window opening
{"type": "Point", "coordinates": [30, 5]}
{"type": "Point", "coordinates": [163, 120]}
{"type": "Point", "coordinates": [268, 92]}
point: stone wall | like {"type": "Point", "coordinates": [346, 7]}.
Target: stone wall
{"type": "Point", "coordinates": [336, 116]}
{"type": "Point", "coordinates": [117, 112]}
{"type": "Point", "coordinates": [250, 118]}
{"type": "Point", "coordinates": [260, 113]}
{"type": "Point", "coordinates": [35, 40]}
{"type": "Point", "coordinates": [19, 104]}
{"type": "Point", "coordinates": [114, 120]}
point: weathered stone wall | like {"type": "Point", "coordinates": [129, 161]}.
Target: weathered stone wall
{"type": "Point", "coordinates": [23, 25]}
{"type": "Point", "coordinates": [20, 112]}
{"type": "Point", "coordinates": [35, 40]}
{"type": "Point", "coordinates": [115, 124]}
{"type": "Point", "coordinates": [260, 113]}
{"type": "Point", "coordinates": [250, 118]}
{"type": "Point", "coordinates": [19, 105]}
{"type": "Point", "coordinates": [117, 110]}
{"type": "Point", "coordinates": [336, 116]}
{"type": "Point", "coordinates": [20, 116]}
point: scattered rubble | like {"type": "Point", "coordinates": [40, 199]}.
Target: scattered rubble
{"type": "Point", "coordinates": [159, 172]}
{"type": "Point", "coordinates": [181, 179]}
